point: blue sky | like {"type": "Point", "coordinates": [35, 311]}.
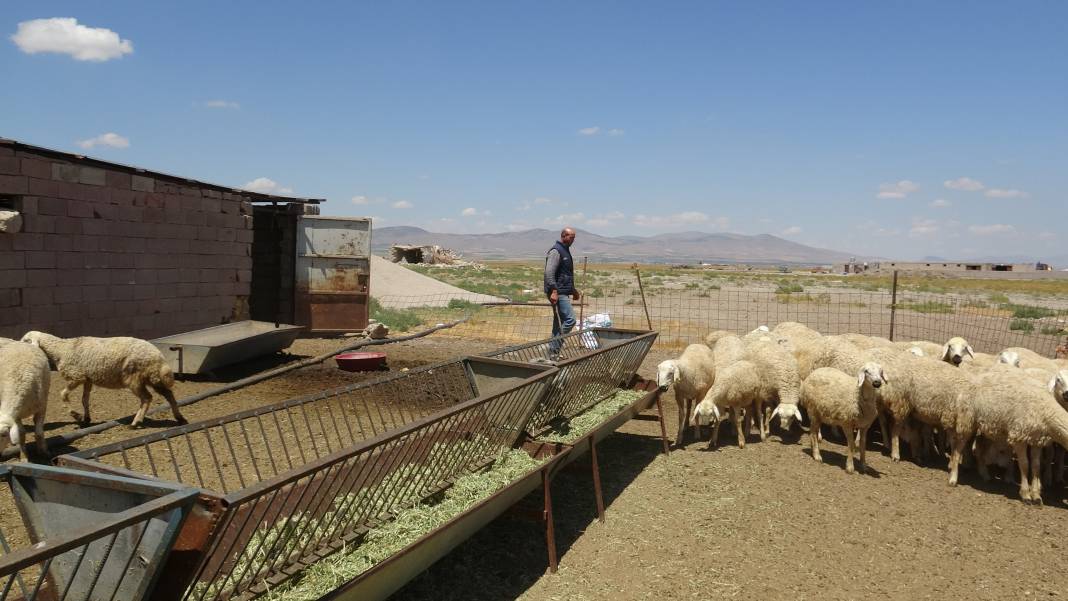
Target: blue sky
{"type": "Point", "coordinates": [899, 129]}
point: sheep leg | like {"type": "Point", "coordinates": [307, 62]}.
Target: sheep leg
{"type": "Point", "coordinates": [814, 438]}
{"type": "Point", "coordinates": [1047, 467]}
{"type": "Point", "coordinates": [38, 430]}
{"type": "Point", "coordinates": [1037, 467]}
{"type": "Point", "coordinates": [18, 437]}
{"type": "Point", "coordinates": [714, 441]}
{"type": "Point", "coordinates": [1021, 461]}
{"type": "Point", "coordinates": [863, 447]}
{"type": "Point", "coordinates": [851, 445]}
{"type": "Point", "coordinates": [758, 414]}
{"type": "Point", "coordinates": [65, 397]}
{"type": "Point", "coordinates": [146, 400]}
{"type": "Point", "coordinates": [895, 440]}
{"type": "Point", "coordinates": [1058, 465]}
{"type": "Point", "coordinates": [954, 456]}
{"type": "Point", "coordinates": [682, 422]}
{"type": "Point", "coordinates": [738, 419]}
{"type": "Point", "coordinates": [748, 420]}
{"type": "Point", "coordinates": [166, 393]}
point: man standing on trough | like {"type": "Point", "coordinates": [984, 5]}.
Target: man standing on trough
{"type": "Point", "coordinates": [559, 284]}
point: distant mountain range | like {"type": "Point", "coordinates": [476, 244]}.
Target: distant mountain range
{"type": "Point", "coordinates": [683, 247]}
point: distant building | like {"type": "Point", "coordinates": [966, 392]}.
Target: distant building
{"type": "Point", "coordinates": [940, 266]}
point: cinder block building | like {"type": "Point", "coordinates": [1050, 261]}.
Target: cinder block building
{"type": "Point", "coordinates": [89, 247]}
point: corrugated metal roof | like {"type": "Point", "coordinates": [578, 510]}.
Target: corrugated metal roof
{"type": "Point", "coordinates": [79, 158]}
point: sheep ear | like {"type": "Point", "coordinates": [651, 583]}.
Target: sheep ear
{"type": "Point", "coordinates": [882, 374]}
{"type": "Point", "coordinates": [1052, 383]}
{"type": "Point", "coordinates": [945, 351]}
{"type": "Point", "coordinates": [968, 349]}
{"type": "Point", "coordinates": [675, 375]}
{"type": "Point", "coordinates": [14, 434]}
{"type": "Point", "coordinates": [775, 411]}
{"type": "Point", "coordinates": [860, 379]}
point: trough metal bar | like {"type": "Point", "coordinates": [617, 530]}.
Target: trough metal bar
{"type": "Point", "coordinates": [129, 560]}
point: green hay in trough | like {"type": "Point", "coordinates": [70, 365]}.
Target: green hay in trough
{"type": "Point", "coordinates": [408, 526]}
{"type": "Point", "coordinates": [570, 430]}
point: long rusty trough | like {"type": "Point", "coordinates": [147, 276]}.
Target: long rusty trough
{"type": "Point", "coordinates": [83, 535]}
{"type": "Point", "coordinates": [284, 485]}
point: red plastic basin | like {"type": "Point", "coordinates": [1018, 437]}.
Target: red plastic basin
{"type": "Point", "coordinates": [357, 361]}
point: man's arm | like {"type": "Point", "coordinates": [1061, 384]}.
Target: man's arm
{"type": "Point", "coordinates": [552, 262]}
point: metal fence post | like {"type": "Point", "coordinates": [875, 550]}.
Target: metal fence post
{"type": "Point", "coordinates": [644, 304]}
{"type": "Point", "coordinates": [893, 304]}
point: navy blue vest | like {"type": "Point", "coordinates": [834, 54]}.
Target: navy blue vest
{"type": "Point", "coordinates": [565, 272]}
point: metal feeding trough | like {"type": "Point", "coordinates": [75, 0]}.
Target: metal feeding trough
{"type": "Point", "coordinates": [286, 484]}
{"type": "Point", "coordinates": [85, 536]}
{"type": "Point", "coordinates": [357, 361]}
{"type": "Point", "coordinates": [201, 351]}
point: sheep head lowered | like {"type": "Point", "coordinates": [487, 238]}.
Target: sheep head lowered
{"type": "Point", "coordinates": [955, 349]}
{"type": "Point", "coordinates": [667, 373]}
{"type": "Point", "coordinates": [1058, 385]}
{"type": "Point", "coordinates": [787, 414]}
{"type": "Point", "coordinates": [704, 413]}
{"type": "Point", "coordinates": [1009, 358]}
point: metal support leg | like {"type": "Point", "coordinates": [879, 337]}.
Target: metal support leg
{"type": "Point", "coordinates": [550, 532]}
{"type": "Point", "coordinates": [597, 481]}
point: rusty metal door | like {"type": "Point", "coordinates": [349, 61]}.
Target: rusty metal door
{"type": "Point", "coordinates": [333, 273]}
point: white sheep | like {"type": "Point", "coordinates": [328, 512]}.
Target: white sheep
{"type": "Point", "coordinates": [24, 382]}
{"type": "Point", "coordinates": [955, 350]}
{"type": "Point", "coordinates": [1008, 357]}
{"type": "Point", "coordinates": [867, 342]}
{"type": "Point", "coordinates": [930, 349]}
{"type": "Point", "coordinates": [737, 387]}
{"type": "Point", "coordinates": [833, 397]}
{"type": "Point", "coordinates": [1012, 409]}
{"type": "Point", "coordinates": [120, 362]}
{"type": "Point", "coordinates": [691, 375]}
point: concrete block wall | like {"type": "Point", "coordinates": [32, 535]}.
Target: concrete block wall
{"type": "Point", "coordinates": [108, 252]}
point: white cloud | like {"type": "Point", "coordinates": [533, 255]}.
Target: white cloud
{"type": "Point", "coordinates": [589, 131]}
{"type": "Point", "coordinates": [597, 131]}
{"type": "Point", "coordinates": [64, 35]}
{"type": "Point", "coordinates": [526, 205]}
{"type": "Point", "coordinates": [222, 104]}
{"type": "Point", "coordinates": [1000, 193]}
{"type": "Point", "coordinates": [793, 229]}
{"type": "Point", "coordinates": [361, 200]}
{"type": "Point", "coordinates": [616, 132]}
{"type": "Point", "coordinates": [605, 219]}
{"type": "Point", "coordinates": [964, 183]}
{"type": "Point", "coordinates": [1047, 236]}
{"type": "Point", "coordinates": [566, 219]}
{"type": "Point", "coordinates": [899, 190]}
{"type": "Point", "coordinates": [402, 204]}
{"type": "Point", "coordinates": [265, 185]}
{"type": "Point", "coordinates": [110, 139]}
{"type": "Point", "coordinates": [469, 212]}
{"type": "Point", "coordinates": [994, 228]}
{"type": "Point", "coordinates": [940, 203]}
{"type": "Point", "coordinates": [923, 227]}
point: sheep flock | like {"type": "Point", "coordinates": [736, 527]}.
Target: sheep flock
{"type": "Point", "coordinates": [977, 411]}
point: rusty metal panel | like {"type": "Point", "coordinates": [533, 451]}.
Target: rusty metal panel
{"type": "Point", "coordinates": [333, 273]}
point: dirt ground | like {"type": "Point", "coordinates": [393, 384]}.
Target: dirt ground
{"type": "Point", "coordinates": [764, 522]}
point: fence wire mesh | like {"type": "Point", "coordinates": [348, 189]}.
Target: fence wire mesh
{"type": "Point", "coordinates": [683, 316]}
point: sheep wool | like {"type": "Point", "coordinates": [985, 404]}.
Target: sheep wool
{"type": "Point", "coordinates": [692, 375]}
{"type": "Point", "coordinates": [24, 383]}
{"type": "Point", "coordinates": [836, 398]}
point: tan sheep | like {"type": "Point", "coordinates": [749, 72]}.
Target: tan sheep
{"type": "Point", "coordinates": [120, 362]}
{"type": "Point", "coordinates": [835, 398]}
{"type": "Point", "coordinates": [24, 382]}
{"type": "Point", "coordinates": [691, 375]}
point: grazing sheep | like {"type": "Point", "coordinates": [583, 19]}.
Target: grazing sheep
{"type": "Point", "coordinates": [24, 381]}
{"type": "Point", "coordinates": [930, 349]}
{"type": "Point", "coordinates": [915, 350]}
{"type": "Point", "coordinates": [737, 387]}
{"type": "Point", "coordinates": [692, 375]}
{"type": "Point", "coordinates": [867, 342]}
{"type": "Point", "coordinates": [111, 363]}
{"type": "Point", "coordinates": [714, 336]}
{"type": "Point", "coordinates": [833, 397]}
{"type": "Point", "coordinates": [1012, 409]}
{"type": "Point", "coordinates": [777, 367]}
{"type": "Point", "coordinates": [796, 333]}
{"type": "Point", "coordinates": [955, 349]}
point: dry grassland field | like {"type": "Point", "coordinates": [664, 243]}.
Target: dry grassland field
{"type": "Point", "coordinates": [764, 522]}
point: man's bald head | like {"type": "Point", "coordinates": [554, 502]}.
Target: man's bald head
{"type": "Point", "coordinates": [567, 236]}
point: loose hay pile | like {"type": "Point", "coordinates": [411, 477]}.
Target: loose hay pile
{"type": "Point", "coordinates": [570, 430]}
{"type": "Point", "coordinates": [408, 526]}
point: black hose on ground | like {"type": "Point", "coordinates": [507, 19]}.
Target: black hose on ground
{"type": "Point", "coordinates": [69, 437]}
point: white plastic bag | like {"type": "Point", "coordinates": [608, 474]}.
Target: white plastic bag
{"type": "Point", "coordinates": [597, 320]}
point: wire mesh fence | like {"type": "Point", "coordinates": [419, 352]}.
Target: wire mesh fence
{"type": "Point", "coordinates": [684, 316]}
